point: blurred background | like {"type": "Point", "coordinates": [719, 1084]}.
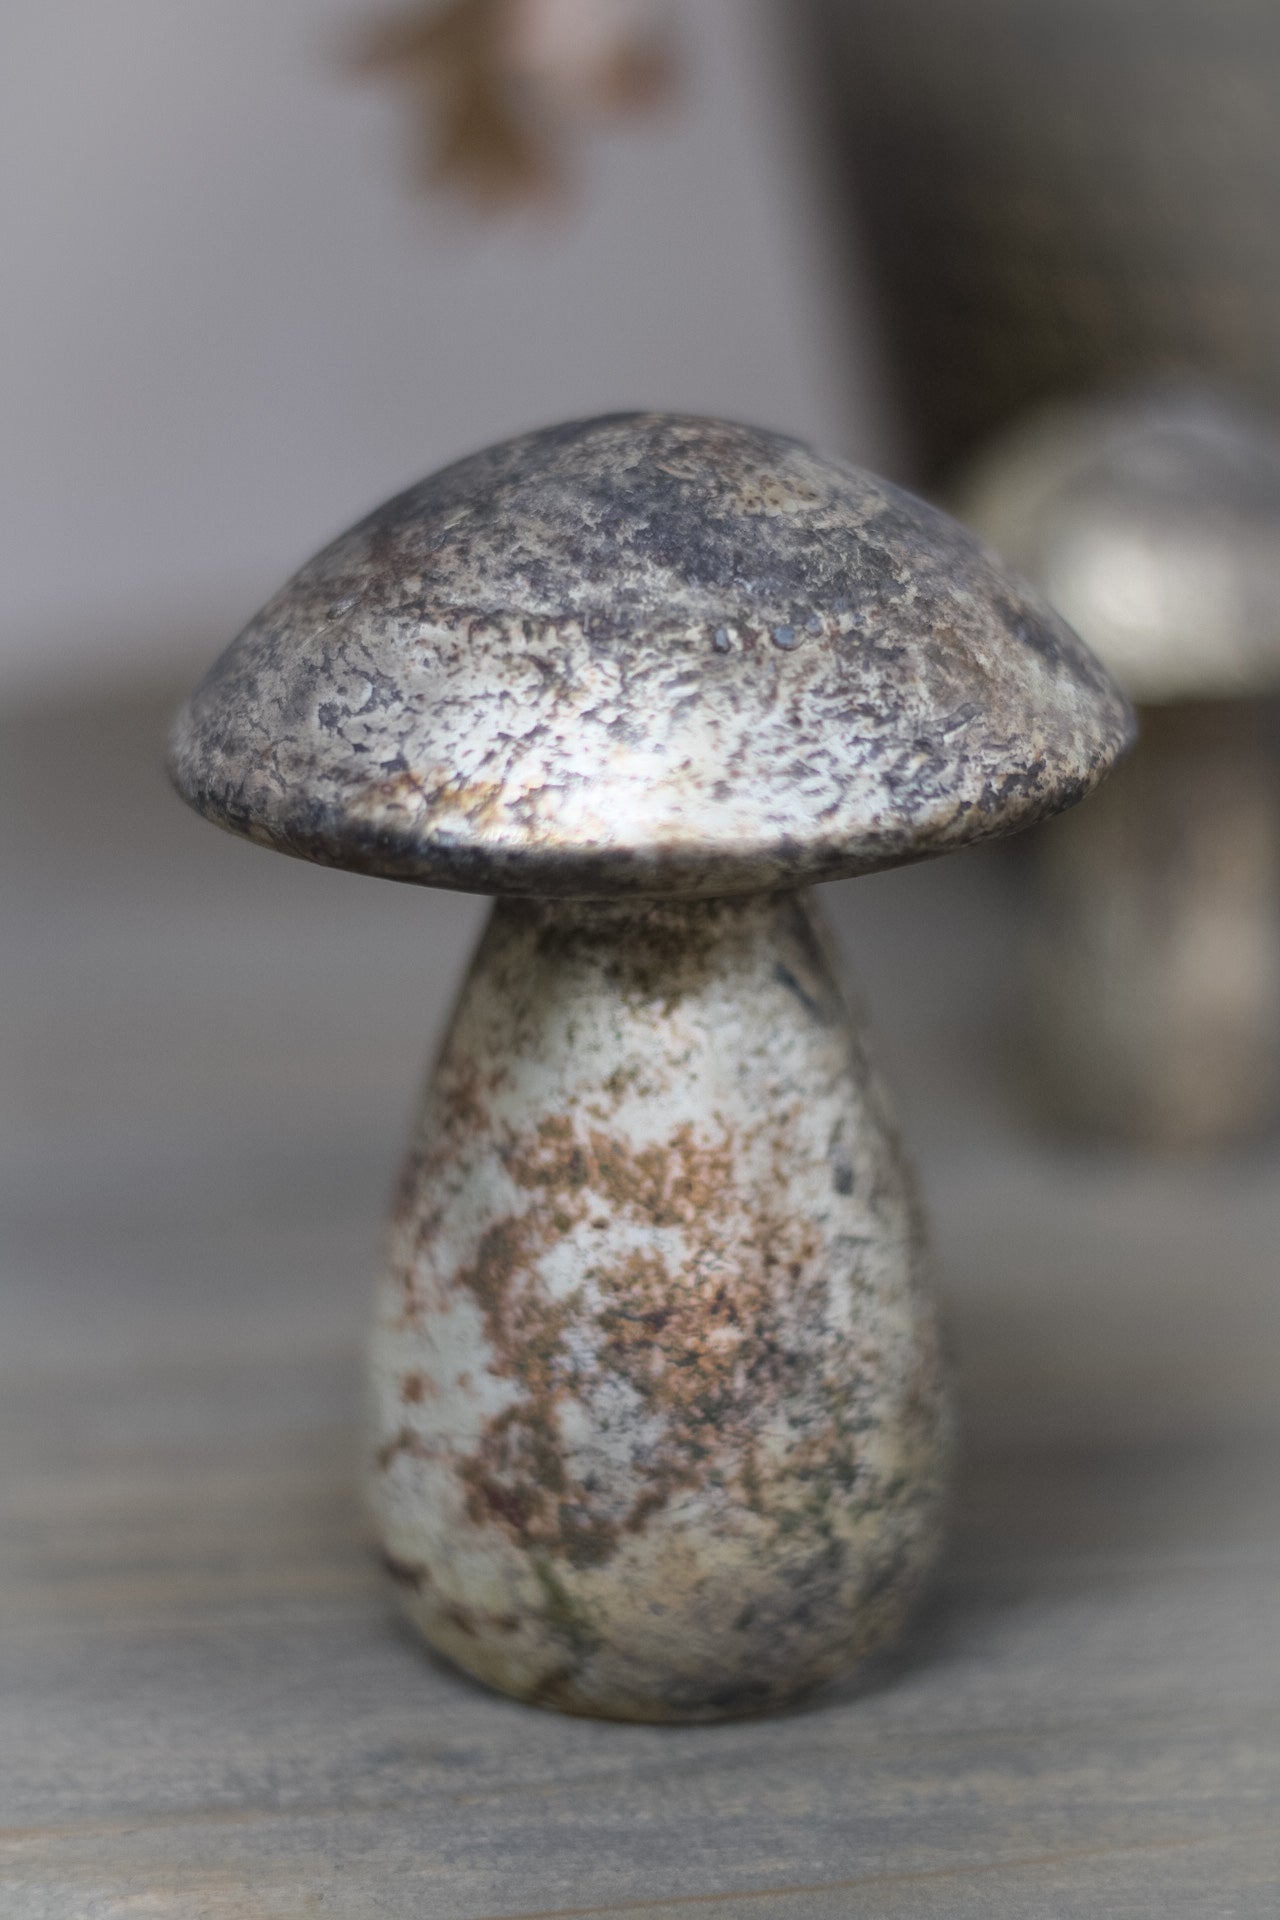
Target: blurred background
{"type": "Point", "coordinates": [265, 265]}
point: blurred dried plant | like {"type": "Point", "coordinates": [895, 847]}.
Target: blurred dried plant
{"type": "Point", "coordinates": [502, 85]}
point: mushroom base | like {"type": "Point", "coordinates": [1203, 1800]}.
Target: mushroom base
{"type": "Point", "coordinates": [1156, 963]}
{"type": "Point", "coordinates": [659, 1423]}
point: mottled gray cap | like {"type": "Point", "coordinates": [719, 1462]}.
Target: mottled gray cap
{"type": "Point", "coordinates": [646, 653]}
{"type": "Point", "coordinates": [1152, 523]}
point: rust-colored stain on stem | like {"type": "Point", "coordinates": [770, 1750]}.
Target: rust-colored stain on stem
{"type": "Point", "coordinates": [705, 1456]}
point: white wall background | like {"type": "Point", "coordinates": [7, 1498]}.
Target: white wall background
{"type": "Point", "coordinates": [230, 323]}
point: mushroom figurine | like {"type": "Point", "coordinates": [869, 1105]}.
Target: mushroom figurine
{"type": "Point", "coordinates": [659, 1420]}
{"type": "Point", "coordinates": [1152, 523]}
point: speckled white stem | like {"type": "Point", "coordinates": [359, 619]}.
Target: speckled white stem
{"type": "Point", "coordinates": [1156, 967]}
{"type": "Point", "coordinates": [659, 1428]}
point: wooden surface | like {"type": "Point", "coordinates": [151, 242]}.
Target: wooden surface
{"type": "Point", "coordinates": [206, 1707]}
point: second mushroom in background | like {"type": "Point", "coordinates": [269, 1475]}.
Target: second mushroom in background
{"type": "Point", "coordinates": [1152, 523]}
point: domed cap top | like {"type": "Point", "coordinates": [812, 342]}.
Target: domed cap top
{"type": "Point", "coordinates": [1153, 524]}
{"type": "Point", "coordinates": [645, 653]}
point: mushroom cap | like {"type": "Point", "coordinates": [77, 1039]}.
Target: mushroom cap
{"type": "Point", "coordinates": [1152, 523]}
{"type": "Point", "coordinates": [646, 654]}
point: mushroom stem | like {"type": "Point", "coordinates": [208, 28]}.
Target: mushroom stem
{"type": "Point", "coordinates": [660, 1428]}
{"type": "Point", "coordinates": [1156, 975]}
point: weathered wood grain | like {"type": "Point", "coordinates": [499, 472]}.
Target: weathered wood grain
{"type": "Point", "coordinates": [206, 1708]}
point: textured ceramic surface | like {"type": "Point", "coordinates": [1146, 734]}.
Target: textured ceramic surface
{"type": "Point", "coordinates": [646, 653]}
{"type": "Point", "coordinates": [1153, 525]}
{"type": "Point", "coordinates": [659, 1424]}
